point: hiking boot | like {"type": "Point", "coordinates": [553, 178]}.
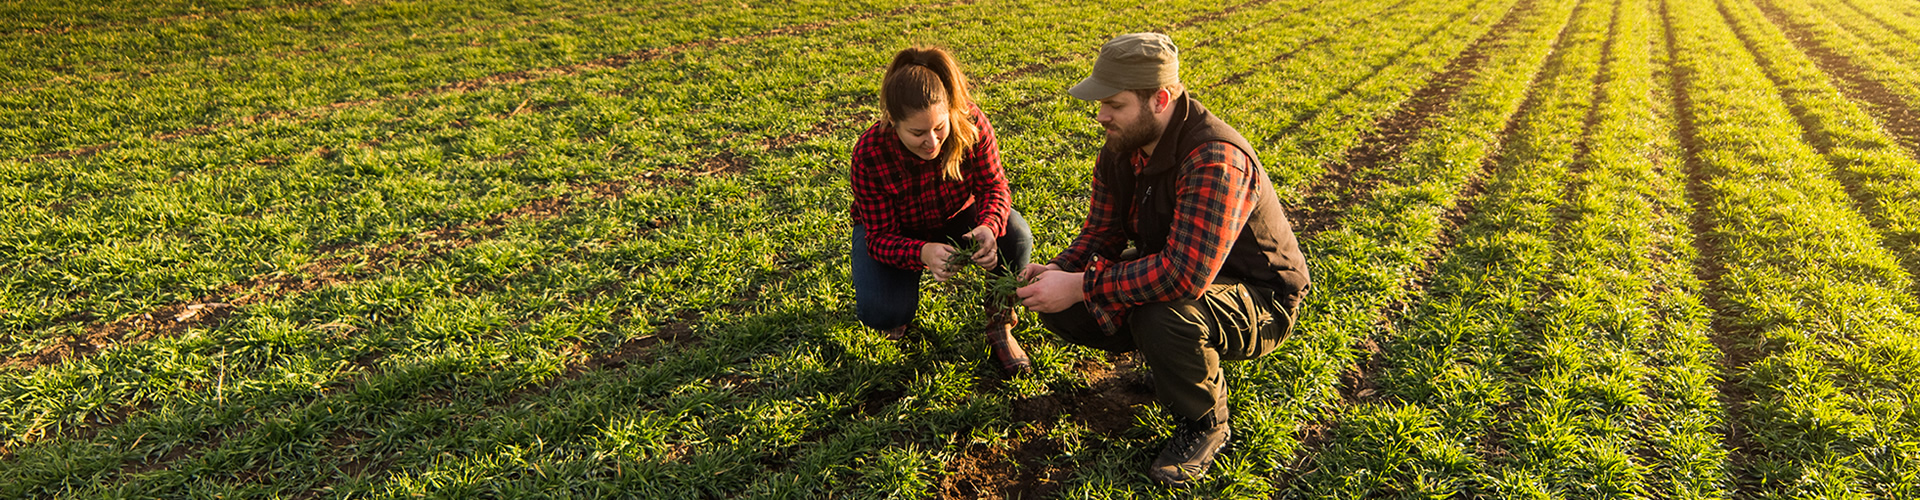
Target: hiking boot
{"type": "Point", "coordinates": [1189, 453]}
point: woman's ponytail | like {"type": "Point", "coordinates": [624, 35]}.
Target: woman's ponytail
{"type": "Point", "coordinates": [918, 79]}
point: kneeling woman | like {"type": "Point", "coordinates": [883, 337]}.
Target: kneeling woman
{"type": "Point", "coordinates": [929, 173]}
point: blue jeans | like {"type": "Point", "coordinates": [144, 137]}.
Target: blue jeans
{"type": "Point", "coordinates": [887, 297]}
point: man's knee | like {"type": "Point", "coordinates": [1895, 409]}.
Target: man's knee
{"type": "Point", "coordinates": [1163, 325]}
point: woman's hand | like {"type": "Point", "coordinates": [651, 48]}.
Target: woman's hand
{"type": "Point", "coordinates": [935, 256]}
{"type": "Point", "coordinates": [989, 253]}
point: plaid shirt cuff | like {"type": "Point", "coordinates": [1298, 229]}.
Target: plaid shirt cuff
{"type": "Point", "coordinates": [1109, 315]}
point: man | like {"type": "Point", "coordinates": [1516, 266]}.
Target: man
{"type": "Point", "coordinates": [1215, 272]}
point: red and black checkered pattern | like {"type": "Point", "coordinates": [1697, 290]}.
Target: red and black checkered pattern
{"type": "Point", "coordinates": [1214, 199]}
{"type": "Point", "coordinates": [897, 195]}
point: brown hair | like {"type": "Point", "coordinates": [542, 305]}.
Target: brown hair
{"type": "Point", "coordinates": [918, 79]}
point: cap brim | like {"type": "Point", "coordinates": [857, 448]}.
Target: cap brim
{"type": "Point", "coordinates": [1090, 90]}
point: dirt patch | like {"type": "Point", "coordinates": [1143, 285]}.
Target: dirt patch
{"type": "Point", "coordinates": [819, 129]}
{"type": "Point", "coordinates": [724, 162]}
{"type": "Point", "coordinates": [344, 438]}
{"type": "Point", "coordinates": [1024, 466]}
{"type": "Point", "coordinates": [1106, 405]}
{"type": "Point", "coordinates": [1357, 381]}
{"type": "Point", "coordinates": [165, 321]}
{"type": "Point", "coordinates": [1019, 470]}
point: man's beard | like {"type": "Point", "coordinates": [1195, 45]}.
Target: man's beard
{"type": "Point", "coordinates": [1128, 138]}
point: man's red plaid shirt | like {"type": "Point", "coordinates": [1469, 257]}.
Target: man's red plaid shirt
{"type": "Point", "coordinates": [1214, 199]}
{"type": "Point", "coordinates": [897, 194]}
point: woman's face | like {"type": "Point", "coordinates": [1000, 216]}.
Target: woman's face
{"type": "Point", "coordinates": [922, 132]}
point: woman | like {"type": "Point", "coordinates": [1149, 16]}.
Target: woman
{"type": "Point", "coordinates": [926, 174]}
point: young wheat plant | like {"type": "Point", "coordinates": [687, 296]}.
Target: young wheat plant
{"type": "Point", "coordinates": [973, 284]}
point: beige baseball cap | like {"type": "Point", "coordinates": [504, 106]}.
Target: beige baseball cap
{"type": "Point", "coordinates": [1131, 61]}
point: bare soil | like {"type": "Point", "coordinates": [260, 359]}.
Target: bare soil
{"type": "Point", "coordinates": [1025, 468]}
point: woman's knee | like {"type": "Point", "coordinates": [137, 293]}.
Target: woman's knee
{"type": "Point", "coordinates": [1016, 246]}
{"type": "Point", "coordinates": [884, 297]}
{"type": "Point", "coordinates": [881, 316]}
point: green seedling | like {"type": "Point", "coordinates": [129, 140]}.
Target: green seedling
{"type": "Point", "coordinates": [974, 285]}
{"type": "Point", "coordinates": [963, 250]}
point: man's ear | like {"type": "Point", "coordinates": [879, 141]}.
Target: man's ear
{"type": "Point", "coordinates": [1162, 99]}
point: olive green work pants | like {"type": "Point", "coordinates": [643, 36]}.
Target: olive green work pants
{"type": "Point", "coordinates": [1184, 341]}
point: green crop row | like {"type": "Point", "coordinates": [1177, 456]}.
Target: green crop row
{"type": "Point", "coordinates": [432, 209]}
{"type": "Point", "coordinates": [664, 289]}
{"type": "Point", "coordinates": [30, 16]}
{"type": "Point", "coordinates": [198, 234]}
{"type": "Point", "coordinates": [1328, 93]}
{"type": "Point", "coordinates": [1893, 10]}
{"type": "Point", "coordinates": [1889, 15]}
{"type": "Point", "coordinates": [337, 30]}
{"type": "Point", "coordinates": [1877, 171]}
{"type": "Point", "coordinates": [876, 58]}
{"type": "Point", "coordinates": [1883, 57]}
{"type": "Point", "coordinates": [1374, 73]}
{"type": "Point", "coordinates": [1557, 351]}
{"type": "Point", "coordinates": [1111, 470]}
{"type": "Point", "coordinates": [92, 113]}
{"type": "Point", "coordinates": [660, 143]}
{"type": "Point", "coordinates": [1628, 275]}
{"type": "Point", "coordinates": [1274, 397]}
{"type": "Point", "coordinates": [1445, 373]}
{"type": "Point", "coordinates": [1818, 314]}
{"type": "Point", "coordinates": [1893, 37]}
{"type": "Point", "coordinates": [1076, 116]}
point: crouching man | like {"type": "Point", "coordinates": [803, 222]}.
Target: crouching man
{"type": "Point", "coordinates": [1214, 272]}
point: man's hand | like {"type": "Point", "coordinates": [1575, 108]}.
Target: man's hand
{"type": "Point", "coordinates": [1033, 271]}
{"type": "Point", "coordinates": [1055, 291]}
{"type": "Point", "coordinates": [935, 256]}
{"type": "Point", "coordinates": [989, 252]}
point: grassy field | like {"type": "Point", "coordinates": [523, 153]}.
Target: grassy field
{"type": "Point", "coordinates": [528, 248]}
